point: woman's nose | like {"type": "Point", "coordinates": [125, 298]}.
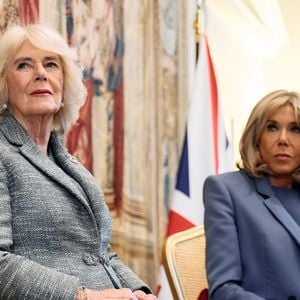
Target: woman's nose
{"type": "Point", "coordinates": [283, 137]}
{"type": "Point", "coordinates": [40, 74]}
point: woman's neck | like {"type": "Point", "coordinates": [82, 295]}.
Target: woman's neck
{"type": "Point", "coordinates": [39, 128]}
{"type": "Point", "coordinates": [282, 181]}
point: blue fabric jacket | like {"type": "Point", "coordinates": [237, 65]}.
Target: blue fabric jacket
{"type": "Point", "coordinates": [253, 244]}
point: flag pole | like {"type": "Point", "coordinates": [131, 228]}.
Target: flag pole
{"type": "Point", "coordinates": [197, 24]}
{"type": "Point", "coordinates": [197, 27]}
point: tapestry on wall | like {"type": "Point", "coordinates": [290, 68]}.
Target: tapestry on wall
{"type": "Point", "coordinates": [130, 129]}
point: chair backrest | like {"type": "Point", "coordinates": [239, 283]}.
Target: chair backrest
{"type": "Point", "coordinates": [183, 258]}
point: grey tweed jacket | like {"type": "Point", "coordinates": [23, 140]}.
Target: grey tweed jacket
{"type": "Point", "coordinates": [54, 224]}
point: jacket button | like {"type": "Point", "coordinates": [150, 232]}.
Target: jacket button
{"type": "Point", "coordinates": [89, 259]}
{"type": "Point", "coordinates": [72, 158]}
{"type": "Point", "coordinates": [104, 260]}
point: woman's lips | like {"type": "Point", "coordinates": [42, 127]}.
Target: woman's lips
{"type": "Point", "coordinates": [282, 156]}
{"type": "Point", "coordinates": [40, 92]}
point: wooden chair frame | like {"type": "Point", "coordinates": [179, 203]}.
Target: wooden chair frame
{"type": "Point", "coordinates": [183, 258]}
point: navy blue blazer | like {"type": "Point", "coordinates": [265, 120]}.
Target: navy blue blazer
{"type": "Point", "coordinates": [253, 244]}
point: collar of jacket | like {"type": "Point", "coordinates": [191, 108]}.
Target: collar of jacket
{"type": "Point", "coordinates": [263, 186]}
{"type": "Point", "coordinates": [276, 208]}
{"type": "Point", "coordinates": [13, 130]}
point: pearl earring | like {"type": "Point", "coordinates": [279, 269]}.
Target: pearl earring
{"type": "Point", "coordinates": [4, 107]}
{"type": "Point", "coordinates": [62, 104]}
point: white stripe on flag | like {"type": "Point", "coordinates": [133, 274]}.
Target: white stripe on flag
{"type": "Point", "coordinates": [200, 133]}
{"type": "Point", "coordinates": [208, 148]}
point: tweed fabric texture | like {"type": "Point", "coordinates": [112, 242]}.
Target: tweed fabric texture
{"type": "Point", "coordinates": [55, 226]}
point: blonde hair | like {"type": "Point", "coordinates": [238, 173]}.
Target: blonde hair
{"type": "Point", "coordinates": [46, 38]}
{"type": "Point", "coordinates": [261, 113]}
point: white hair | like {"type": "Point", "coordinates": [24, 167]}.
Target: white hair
{"type": "Point", "coordinates": [46, 38]}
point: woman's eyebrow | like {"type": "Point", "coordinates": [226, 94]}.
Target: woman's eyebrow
{"type": "Point", "coordinates": [29, 59]}
{"type": "Point", "coordinates": [52, 58]}
{"type": "Point", "coordinates": [22, 59]}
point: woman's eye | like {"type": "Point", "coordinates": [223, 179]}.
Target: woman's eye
{"type": "Point", "coordinates": [51, 64]}
{"type": "Point", "coordinates": [23, 65]}
{"type": "Point", "coordinates": [296, 128]}
{"type": "Point", "coordinates": [271, 127]}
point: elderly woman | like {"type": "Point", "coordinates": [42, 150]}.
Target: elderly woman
{"type": "Point", "coordinates": [252, 216]}
{"type": "Point", "coordinates": [55, 227]}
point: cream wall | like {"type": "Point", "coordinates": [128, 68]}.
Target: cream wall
{"type": "Point", "coordinates": [247, 69]}
{"type": "Point", "coordinates": [283, 70]}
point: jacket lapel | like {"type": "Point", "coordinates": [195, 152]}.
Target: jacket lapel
{"type": "Point", "coordinates": [94, 195]}
{"type": "Point", "coordinates": [277, 209]}
{"type": "Point", "coordinates": [17, 136]}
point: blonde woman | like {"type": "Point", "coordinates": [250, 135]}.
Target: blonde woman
{"type": "Point", "coordinates": [252, 216]}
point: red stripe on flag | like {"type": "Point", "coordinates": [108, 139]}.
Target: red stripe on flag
{"type": "Point", "coordinates": [177, 223]}
{"type": "Point", "coordinates": [204, 111]}
{"type": "Point", "coordinates": [158, 289]}
{"type": "Point", "coordinates": [214, 106]}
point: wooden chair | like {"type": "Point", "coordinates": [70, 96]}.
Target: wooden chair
{"type": "Point", "coordinates": [183, 258]}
